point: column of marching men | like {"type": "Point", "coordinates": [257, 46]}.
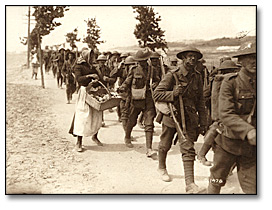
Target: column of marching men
{"type": "Point", "coordinates": [183, 96]}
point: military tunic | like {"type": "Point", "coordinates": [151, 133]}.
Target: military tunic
{"type": "Point", "coordinates": [122, 73]}
{"type": "Point", "coordinates": [139, 78]}
{"type": "Point", "coordinates": [194, 109]}
{"type": "Point", "coordinates": [236, 102]}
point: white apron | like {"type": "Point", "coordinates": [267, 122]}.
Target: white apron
{"type": "Point", "coordinates": [87, 119]}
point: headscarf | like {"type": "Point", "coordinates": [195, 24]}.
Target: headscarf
{"type": "Point", "coordinates": [84, 56]}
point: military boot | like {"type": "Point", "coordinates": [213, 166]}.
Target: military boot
{"type": "Point", "coordinates": [128, 142]}
{"type": "Point", "coordinates": [149, 136]}
{"type": "Point", "coordinates": [212, 189]}
{"type": "Point", "coordinates": [194, 189]}
{"type": "Point", "coordinates": [164, 175]}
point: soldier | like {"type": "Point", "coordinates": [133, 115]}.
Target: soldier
{"type": "Point", "coordinates": [60, 61]}
{"type": "Point", "coordinates": [46, 58]}
{"type": "Point", "coordinates": [173, 62]}
{"type": "Point", "coordinates": [157, 73]}
{"type": "Point", "coordinates": [138, 82]}
{"type": "Point", "coordinates": [237, 111]}
{"type": "Point", "coordinates": [121, 67]}
{"type": "Point", "coordinates": [122, 73]}
{"type": "Point", "coordinates": [68, 72]}
{"type": "Point", "coordinates": [190, 87]}
{"type": "Point", "coordinates": [224, 69]}
{"type": "Point", "coordinates": [104, 74]}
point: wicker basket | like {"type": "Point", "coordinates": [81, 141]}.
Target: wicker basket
{"type": "Point", "coordinates": [101, 106]}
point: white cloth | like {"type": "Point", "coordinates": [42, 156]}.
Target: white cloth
{"type": "Point", "coordinates": [87, 119]}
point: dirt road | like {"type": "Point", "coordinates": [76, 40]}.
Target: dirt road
{"type": "Point", "coordinates": [40, 156]}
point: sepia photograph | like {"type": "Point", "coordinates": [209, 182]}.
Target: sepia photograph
{"type": "Point", "coordinates": [131, 100]}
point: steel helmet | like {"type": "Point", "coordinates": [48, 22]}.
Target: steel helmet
{"type": "Point", "coordinates": [115, 53]}
{"type": "Point", "coordinates": [228, 64]}
{"type": "Point", "coordinates": [124, 55]}
{"type": "Point", "coordinates": [189, 49]}
{"type": "Point", "coordinates": [248, 48]}
{"type": "Point", "coordinates": [173, 59]}
{"type": "Point", "coordinates": [129, 60]}
{"type": "Point", "coordinates": [101, 58]}
{"type": "Point", "coordinates": [155, 55]}
{"type": "Point", "coordinates": [142, 55]}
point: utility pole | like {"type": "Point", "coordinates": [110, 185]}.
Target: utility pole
{"type": "Point", "coordinates": [40, 51]}
{"type": "Point", "coordinates": [28, 38]}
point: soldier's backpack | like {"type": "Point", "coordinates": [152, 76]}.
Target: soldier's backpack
{"type": "Point", "coordinates": [216, 85]}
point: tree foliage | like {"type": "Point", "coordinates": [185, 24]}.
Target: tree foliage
{"type": "Point", "coordinates": [71, 38]}
{"type": "Point", "coordinates": [147, 31]}
{"type": "Point", "coordinates": [45, 21]}
{"type": "Point", "coordinates": [93, 34]}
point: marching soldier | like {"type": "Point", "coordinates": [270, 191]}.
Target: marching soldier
{"type": "Point", "coordinates": [104, 74]}
{"type": "Point", "coordinates": [157, 73]}
{"type": "Point", "coordinates": [237, 112]}
{"type": "Point", "coordinates": [68, 72]}
{"type": "Point", "coordinates": [138, 82]}
{"type": "Point", "coordinates": [121, 67]}
{"type": "Point", "coordinates": [173, 62]}
{"type": "Point", "coordinates": [122, 73]}
{"type": "Point", "coordinates": [190, 87]}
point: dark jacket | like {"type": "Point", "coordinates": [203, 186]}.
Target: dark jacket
{"type": "Point", "coordinates": [193, 101]}
{"type": "Point", "coordinates": [81, 70]}
{"type": "Point", "coordinates": [105, 71]}
{"type": "Point", "coordinates": [236, 101]}
{"type": "Point", "coordinates": [139, 78]}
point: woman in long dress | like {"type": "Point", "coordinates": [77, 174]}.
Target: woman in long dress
{"type": "Point", "coordinates": [87, 120]}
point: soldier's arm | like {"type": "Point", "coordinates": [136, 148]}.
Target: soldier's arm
{"type": "Point", "coordinates": [227, 112]}
{"type": "Point", "coordinates": [200, 105]}
{"type": "Point", "coordinates": [127, 83]}
{"type": "Point", "coordinates": [63, 70]}
{"type": "Point", "coordinates": [163, 91]}
{"type": "Point", "coordinates": [115, 73]}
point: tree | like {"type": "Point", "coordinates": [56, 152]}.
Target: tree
{"type": "Point", "coordinates": [147, 31]}
{"type": "Point", "coordinates": [45, 23]}
{"type": "Point", "coordinates": [71, 38]}
{"type": "Point", "coordinates": [93, 34]}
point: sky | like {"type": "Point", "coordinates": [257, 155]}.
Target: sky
{"type": "Point", "coordinates": [117, 24]}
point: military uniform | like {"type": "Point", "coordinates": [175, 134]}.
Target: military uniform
{"type": "Point", "coordinates": [139, 78]}
{"type": "Point", "coordinates": [122, 73]}
{"type": "Point", "coordinates": [68, 70]}
{"type": "Point", "coordinates": [190, 87]}
{"type": "Point", "coordinates": [236, 101]}
{"type": "Point", "coordinates": [237, 112]}
{"type": "Point", "coordinates": [193, 106]}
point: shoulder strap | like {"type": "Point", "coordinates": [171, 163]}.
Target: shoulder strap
{"type": "Point", "coordinates": [177, 82]}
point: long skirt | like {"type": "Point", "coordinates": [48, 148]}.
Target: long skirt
{"type": "Point", "coordinates": [87, 120]}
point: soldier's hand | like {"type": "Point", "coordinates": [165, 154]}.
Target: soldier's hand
{"type": "Point", "coordinates": [251, 136]}
{"type": "Point", "coordinates": [105, 78]}
{"type": "Point", "coordinates": [94, 76]}
{"type": "Point", "coordinates": [177, 90]}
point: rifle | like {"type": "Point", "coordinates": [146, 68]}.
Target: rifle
{"type": "Point", "coordinates": [181, 135]}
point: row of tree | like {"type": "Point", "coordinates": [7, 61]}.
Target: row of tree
{"type": "Point", "coordinates": [147, 31]}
